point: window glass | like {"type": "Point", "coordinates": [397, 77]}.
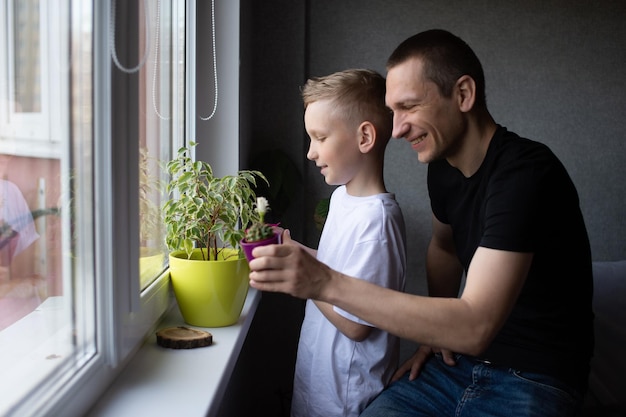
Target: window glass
{"type": "Point", "coordinates": [27, 63]}
{"type": "Point", "coordinates": [156, 66]}
{"type": "Point", "coordinates": [30, 105]}
{"type": "Point", "coordinates": [47, 278]}
{"type": "Point", "coordinates": [161, 88]}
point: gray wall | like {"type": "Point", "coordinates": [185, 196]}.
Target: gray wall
{"type": "Point", "coordinates": [554, 72]}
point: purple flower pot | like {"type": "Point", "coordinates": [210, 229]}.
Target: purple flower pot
{"type": "Point", "coordinates": [248, 246]}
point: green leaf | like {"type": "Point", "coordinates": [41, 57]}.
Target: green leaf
{"type": "Point", "coordinates": [206, 209]}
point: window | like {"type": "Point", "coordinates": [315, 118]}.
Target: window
{"type": "Point", "coordinates": [47, 324]}
{"type": "Point", "coordinates": [91, 102]}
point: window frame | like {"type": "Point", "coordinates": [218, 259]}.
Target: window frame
{"type": "Point", "coordinates": [124, 316]}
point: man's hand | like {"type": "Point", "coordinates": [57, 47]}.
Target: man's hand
{"type": "Point", "coordinates": [416, 362]}
{"type": "Point", "coordinates": [289, 268]}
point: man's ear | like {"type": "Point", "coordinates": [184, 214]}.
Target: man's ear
{"type": "Point", "coordinates": [367, 136]}
{"type": "Point", "coordinates": [465, 89]}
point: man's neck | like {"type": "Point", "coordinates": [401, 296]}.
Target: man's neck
{"type": "Point", "coordinates": [471, 154]}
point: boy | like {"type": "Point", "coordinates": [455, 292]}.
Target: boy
{"type": "Point", "coordinates": [343, 362]}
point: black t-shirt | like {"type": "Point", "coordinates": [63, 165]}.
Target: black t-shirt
{"type": "Point", "coordinates": [522, 199]}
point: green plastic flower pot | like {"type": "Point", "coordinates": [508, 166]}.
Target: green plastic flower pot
{"type": "Point", "coordinates": [209, 293]}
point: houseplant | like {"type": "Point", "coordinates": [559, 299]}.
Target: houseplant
{"type": "Point", "coordinates": [205, 218]}
{"type": "Point", "coordinates": [259, 233]}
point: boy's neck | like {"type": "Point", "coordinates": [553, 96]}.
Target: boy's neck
{"type": "Point", "coordinates": [364, 186]}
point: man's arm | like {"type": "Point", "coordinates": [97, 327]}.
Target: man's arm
{"type": "Point", "coordinates": [466, 324]}
{"type": "Point", "coordinates": [443, 269]}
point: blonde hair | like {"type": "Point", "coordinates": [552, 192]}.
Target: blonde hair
{"type": "Point", "coordinates": [359, 94]}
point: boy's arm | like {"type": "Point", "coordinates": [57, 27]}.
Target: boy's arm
{"type": "Point", "coordinates": [353, 330]}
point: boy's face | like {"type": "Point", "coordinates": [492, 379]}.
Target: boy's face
{"type": "Point", "coordinates": [334, 143]}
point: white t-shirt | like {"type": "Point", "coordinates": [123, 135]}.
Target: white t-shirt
{"type": "Point", "coordinates": [363, 237]}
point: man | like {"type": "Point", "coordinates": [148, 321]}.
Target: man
{"type": "Point", "coordinates": [517, 341]}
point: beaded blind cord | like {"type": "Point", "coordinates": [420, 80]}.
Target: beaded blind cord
{"type": "Point", "coordinates": [156, 60]}
{"type": "Point", "coordinates": [214, 63]}
{"type": "Point", "coordinates": [146, 52]}
{"type": "Point", "coordinates": [113, 48]}
{"type": "Point", "coordinates": [156, 48]}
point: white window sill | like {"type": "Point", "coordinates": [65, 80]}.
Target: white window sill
{"type": "Point", "coordinates": [32, 349]}
{"type": "Point", "coordinates": [178, 382]}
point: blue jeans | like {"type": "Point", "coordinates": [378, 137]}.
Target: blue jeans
{"type": "Point", "coordinates": [475, 389]}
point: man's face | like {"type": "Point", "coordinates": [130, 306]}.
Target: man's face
{"type": "Point", "coordinates": [431, 123]}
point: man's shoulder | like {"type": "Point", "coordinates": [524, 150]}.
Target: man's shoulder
{"type": "Point", "coordinates": [510, 141]}
{"type": "Point", "coordinates": [510, 149]}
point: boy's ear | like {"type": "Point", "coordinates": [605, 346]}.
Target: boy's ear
{"type": "Point", "coordinates": [367, 137]}
{"type": "Point", "coordinates": [466, 93]}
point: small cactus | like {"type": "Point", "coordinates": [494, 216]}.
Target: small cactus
{"type": "Point", "coordinates": [260, 230]}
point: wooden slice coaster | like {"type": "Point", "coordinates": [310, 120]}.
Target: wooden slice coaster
{"type": "Point", "coordinates": [183, 338]}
